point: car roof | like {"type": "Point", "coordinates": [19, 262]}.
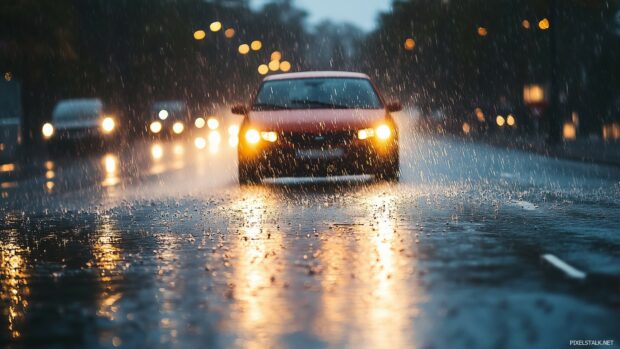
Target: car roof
{"type": "Point", "coordinates": [316, 74]}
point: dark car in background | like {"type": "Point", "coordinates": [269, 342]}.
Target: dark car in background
{"type": "Point", "coordinates": [169, 118]}
{"type": "Point", "coordinates": [81, 120]}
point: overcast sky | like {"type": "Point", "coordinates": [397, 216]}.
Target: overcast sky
{"type": "Point", "coordinates": [362, 13]}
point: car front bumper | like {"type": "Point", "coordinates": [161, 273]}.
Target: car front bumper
{"type": "Point", "coordinates": [358, 157]}
{"type": "Point", "coordinates": [83, 135]}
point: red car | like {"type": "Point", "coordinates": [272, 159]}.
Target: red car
{"type": "Point", "coordinates": [317, 123]}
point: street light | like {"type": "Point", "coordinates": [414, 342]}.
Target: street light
{"type": "Point", "coordinates": [533, 94]}
{"type": "Point", "coordinates": [215, 26]}
{"type": "Point", "coordinates": [256, 45]}
{"type": "Point", "coordinates": [276, 55]}
{"type": "Point", "coordinates": [409, 44]}
{"type": "Point", "coordinates": [510, 120]}
{"type": "Point", "coordinates": [244, 49]}
{"type": "Point", "coordinates": [543, 24]}
{"type": "Point", "coordinates": [500, 120]}
{"type": "Point", "coordinates": [274, 65]}
{"type": "Point", "coordinates": [285, 66]}
{"type": "Point", "coordinates": [263, 69]}
{"type": "Point", "coordinates": [229, 33]}
{"type": "Point", "coordinates": [199, 34]}
{"type": "Point", "coordinates": [525, 24]}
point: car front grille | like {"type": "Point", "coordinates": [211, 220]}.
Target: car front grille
{"type": "Point", "coordinates": [318, 140]}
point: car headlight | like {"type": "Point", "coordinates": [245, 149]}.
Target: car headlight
{"type": "Point", "coordinates": [47, 130]}
{"type": "Point", "coordinates": [365, 133]}
{"type": "Point", "coordinates": [155, 126]}
{"type": "Point", "coordinates": [213, 124]}
{"type": "Point", "coordinates": [269, 136]}
{"type": "Point", "coordinates": [200, 122]}
{"type": "Point", "coordinates": [178, 127]}
{"type": "Point", "coordinates": [252, 136]}
{"type": "Point", "coordinates": [383, 132]}
{"type": "Point", "coordinates": [107, 125]}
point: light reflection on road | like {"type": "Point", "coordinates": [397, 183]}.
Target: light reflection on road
{"type": "Point", "coordinates": [365, 286]}
{"type": "Point", "coordinates": [13, 282]}
{"type": "Point", "coordinates": [259, 312]}
{"type": "Point", "coordinates": [111, 169]}
{"type": "Point", "coordinates": [168, 285]}
{"type": "Point", "coordinates": [107, 253]}
{"type": "Point", "coordinates": [383, 317]}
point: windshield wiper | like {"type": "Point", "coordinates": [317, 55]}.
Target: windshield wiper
{"type": "Point", "coordinates": [319, 103]}
{"type": "Point", "coordinates": [266, 106]}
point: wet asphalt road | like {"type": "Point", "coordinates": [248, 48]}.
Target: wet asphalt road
{"type": "Point", "coordinates": [158, 246]}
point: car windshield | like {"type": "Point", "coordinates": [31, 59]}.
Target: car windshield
{"type": "Point", "coordinates": [317, 93]}
{"type": "Point", "coordinates": [77, 109]}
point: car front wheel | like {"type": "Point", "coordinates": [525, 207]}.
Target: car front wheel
{"type": "Point", "coordinates": [389, 172]}
{"type": "Point", "coordinates": [248, 174]}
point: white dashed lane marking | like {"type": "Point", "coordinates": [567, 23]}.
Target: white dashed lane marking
{"type": "Point", "coordinates": [569, 270]}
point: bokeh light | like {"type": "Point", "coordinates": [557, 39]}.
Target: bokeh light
{"type": "Point", "coordinates": [200, 122]}
{"type": "Point", "coordinates": [276, 55]}
{"type": "Point", "coordinates": [285, 66]}
{"type": "Point", "coordinates": [200, 34]}
{"type": "Point", "coordinates": [525, 24]}
{"type": "Point", "coordinates": [155, 126]}
{"type": "Point", "coordinates": [215, 26]}
{"type": "Point", "coordinates": [178, 127]}
{"type": "Point", "coordinates": [466, 128]}
{"type": "Point", "coordinates": [229, 33]}
{"type": "Point", "coordinates": [256, 45]}
{"type": "Point", "coordinates": [47, 130]}
{"type": "Point", "coordinates": [157, 151]}
{"type": "Point", "coordinates": [200, 143]}
{"type": "Point", "coordinates": [244, 49]}
{"type": "Point", "coordinates": [409, 44]}
{"type": "Point", "coordinates": [274, 65]}
{"type": "Point", "coordinates": [510, 120]}
{"type": "Point", "coordinates": [263, 69]}
{"type": "Point", "coordinates": [213, 123]}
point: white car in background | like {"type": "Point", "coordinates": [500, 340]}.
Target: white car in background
{"type": "Point", "coordinates": [81, 120]}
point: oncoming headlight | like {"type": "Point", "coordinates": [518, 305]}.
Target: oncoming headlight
{"type": "Point", "coordinates": [47, 130]}
{"type": "Point", "coordinates": [269, 136]}
{"type": "Point", "coordinates": [108, 124]}
{"type": "Point", "coordinates": [178, 127]}
{"type": "Point", "coordinates": [365, 133]}
{"type": "Point", "coordinates": [155, 126]}
{"type": "Point", "coordinates": [383, 132]}
{"type": "Point", "coordinates": [213, 124]}
{"type": "Point", "coordinates": [252, 136]}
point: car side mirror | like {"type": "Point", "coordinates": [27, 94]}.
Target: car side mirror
{"type": "Point", "coordinates": [239, 109]}
{"type": "Point", "coordinates": [394, 106]}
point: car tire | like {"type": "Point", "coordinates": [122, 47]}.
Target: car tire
{"type": "Point", "coordinates": [390, 172]}
{"type": "Point", "coordinates": [248, 174]}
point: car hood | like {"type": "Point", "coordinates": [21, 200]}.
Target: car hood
{"type": "Point", "coordinates": [73, 124]}
{"type": "Point", "coordinates": [316, 120]}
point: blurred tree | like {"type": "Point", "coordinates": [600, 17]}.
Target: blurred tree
{"type": "Point", "coordinates": [480, 53]}
{"type": "Point", "coordinates": [132, 52]}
